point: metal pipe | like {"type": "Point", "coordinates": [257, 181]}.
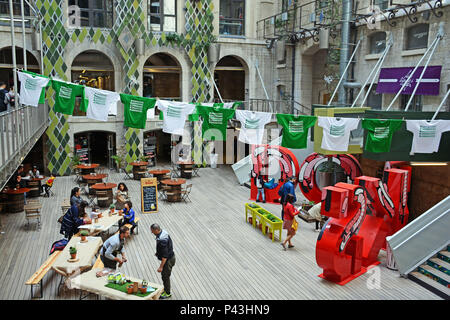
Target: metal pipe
{"type": "Point", "coordinates": [264, 87]}
{"type": "Point", "coordinates": [42, 46]}
{"type": "Point", "coordinates": [293, 78]}
{"type": "Point", "coordinates": [439, 37]}
{"type": "Point", "coordinates": [342, 78]}
{"type": "Point", "coordinates": [440, 106]}
{"type": "Point", "coordinates": [345, 33]}
{"type": "Point", "coordinates": [13, 44]}
{"type": "Point", "coordinates": [23, 36]}
{"type": "Point", "coordinates": [410, 76]}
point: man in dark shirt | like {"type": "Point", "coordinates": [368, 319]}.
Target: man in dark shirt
{"type": "Point", "coordinates": [164, 252]}
{"type": "Point", "coordinates": [3, 92]}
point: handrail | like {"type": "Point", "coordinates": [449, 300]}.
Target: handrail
{"type": "Point", "coordinates": [422, 238]}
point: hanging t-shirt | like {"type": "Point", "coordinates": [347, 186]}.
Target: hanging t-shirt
{"type": "Point", "coordinates": [252, 125]}
{"type": "Point", "coordinates": [135, 110]}
{"type": "Point", "coordinates": [295, 130]}
{"type": "Point", "coordinates": [226, 105]}
{"type": "Point", "coordinates": [215, 120]}
{"type": "Point", "coordinates": [336, 132]}
{"type": "Point", "coordinates": [32, 88]}
{"type": "Point", "coordinates": [426, 135]}
{"type": "Point", "coordinates": [42, 97]}
{"type": "Point", "coordinates": [65, 96]}
{"type": "Point", "coordinates": [101, 103]}
{"type": "Point", "coordinates": [379, 133]}
{"type": "Point", "coordinates": [174, 115]}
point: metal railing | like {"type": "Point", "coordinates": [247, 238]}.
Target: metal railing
{"type": "Point", "coordinates": [19, 130]}
{"type": "Point", "coordinates": [275, 106]}
{"type": "Point", "coordinates": [304, 20]}
{"type": "Point", "coordinates": [422, 238]}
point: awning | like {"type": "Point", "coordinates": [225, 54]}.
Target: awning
{"type": "Point", "coordinates": [392, 79]}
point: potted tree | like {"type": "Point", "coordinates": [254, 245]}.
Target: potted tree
{"type": "Point", "coordinates": [84, 234]}
{"type": "Point", "coordinates": [73, 253]}
{"type": "Point", "coordinates": [112, 208]}
{"type": "Point", "coordinates": [118, 160]}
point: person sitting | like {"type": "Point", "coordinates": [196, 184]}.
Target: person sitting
{"type": "Point", "coordinates": [34, 172]}
{"type": "Point", "coordinates": [75, 197]}
{"type": "Point", "coordinates": [48, 185]}
{"type": "Point", "coordinates": [121, 196]}
{"type": "Point", "coordinates": [289, 215]}
{"type": "Point", "coordinates": [74, 217]}
{"type": "Point", "coordinates": [128, 216]}
{"type": "Point", "coordinates": [112, 247]}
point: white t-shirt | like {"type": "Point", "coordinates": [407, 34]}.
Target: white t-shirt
{"type": "Point", "coordinates": [31, 88]}
{"type": "Point", "coordinates": [101, 103]}
{"type": "Point", "coordinates": [252, 125]}
{"type": "Point", "coordinates": [426, 135]}
{"type": "Point", "coordinates": [175, 114]}
{"type": "Point", "coordinates": [226, 105]}
{"type": "Point", "coordinates": [336, 133]}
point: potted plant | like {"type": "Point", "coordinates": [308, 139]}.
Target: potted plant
{"type": "Point", "coordinates": [84, 234]}
{"type": "Point", "coordinates": [112, 208]}
{"type": "Point", "coordinates": [118, 160]}
{"type": "Point", "coordinates": [130, 288]}
{"type": "Point", "coordinates": [73, 253]}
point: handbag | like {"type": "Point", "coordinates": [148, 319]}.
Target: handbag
{"type": "Point", "coordinates": [294, 224]}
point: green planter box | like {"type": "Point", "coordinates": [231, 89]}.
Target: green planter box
{"type": "Point", "coordinates": [265, 218]}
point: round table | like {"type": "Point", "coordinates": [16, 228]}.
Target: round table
{"type": "Point", "coordinates": [186, 168]}
{"type": "Point", "coordinates": [35, 186]}
{"type": "Point", "coordinates": [87, 169]}
{"type": "Point", "coordinates": [15, 199]}
{"type": "Point", "coordinates": [159, 174]}
{"type": "Point", "coordinates": [105, 187]}
{"type": "Point", "coordinates": [174, 189]}
{"type": "Point", "coordinates": [92, 179]}
{"type": "Point", "coordinates": [139, 169]}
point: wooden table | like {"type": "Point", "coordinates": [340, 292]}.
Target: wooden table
{"type": "Point", "coordinates": [108, 188]}
{"type": "Point", "coordinates": [174, 189]}
{"type": "Point", "coordinates": [186, 169]}
{"type": "Point", "coordinates": [88, 281]}
{"type": "Point", "coordinates": [103, 224]}
{"type": "Point", "coordinates": [159, 174]}
{"type": "Point", "coordinates": [87, 169]}
{"type": "Point", "coordinates": [15, 199]}
{"type": "Point", "coordinates": [139, 169]}
{"type": "Point", "coordinates": [35, 186]}
{"type": "Point", "coordinates": [92, 179]}
{"type": "Point", "coordinates": [85, 254]}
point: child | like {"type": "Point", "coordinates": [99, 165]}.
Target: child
{"type": "Point", "coordinates": [48, 185]}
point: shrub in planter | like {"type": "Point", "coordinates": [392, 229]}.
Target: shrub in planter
{"type": "Point", "coordinates": [73, 253]}
{"type": "Point", "coordinates": [112, 207]}
{"type": "Point", "coordinates": [84, 234]}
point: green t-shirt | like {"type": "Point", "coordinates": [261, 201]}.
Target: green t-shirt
{"type": "Point", "coordinates": [379, 133]}
{"type": "Point", "coordinates": [65, 96]}
{"type": "Point", "coordinates": [214, 119]}
{"type": "Point", "coordinates": [42, 96]}
{"type": "Point", "coordinates": [295, 129]}
{"type": "Point", "coordinates": [135, 110]}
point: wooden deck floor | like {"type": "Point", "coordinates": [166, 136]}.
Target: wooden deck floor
{"type": "Point", "coordinates": [219, 255]}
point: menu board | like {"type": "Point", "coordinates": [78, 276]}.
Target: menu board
{"type": "Point", "coordinates": [149, 195]}
{"type": "Point", "coordinates": [83, 154]}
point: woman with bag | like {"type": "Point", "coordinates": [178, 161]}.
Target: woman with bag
{"type": "Point", "coordinates": [74, 217]}
{"type": "Point", "coordinates": [289, 222]}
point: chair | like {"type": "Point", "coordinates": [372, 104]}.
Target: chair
{"type": "Point", "coordinates": [33, 211]}
{"type": "Point", "coordinates": [48, 190]}
{"type": "Point", "coordinates": [195, 170]}
{"type": "Point", "coordinates": [102, 198]}
{"type": "Point", "coordinates": [175, 171]}
{"type": "Point", "coordinates": [128, 174]}
{"type": "Point", "coordinates": [162, 191]}
{"type": "Point", "coordinates": [185, 193]}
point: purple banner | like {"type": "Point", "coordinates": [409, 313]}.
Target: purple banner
{"type": "Point", "coordinates": [391, 80]}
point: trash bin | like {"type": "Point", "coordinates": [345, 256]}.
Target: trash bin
{"type": "Point", "coordinates": [213, 158]}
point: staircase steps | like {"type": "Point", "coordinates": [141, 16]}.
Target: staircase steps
{"type": "Point", "coordinates": [434, 274]}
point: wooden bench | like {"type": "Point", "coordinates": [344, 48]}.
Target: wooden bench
{"type": "Point", "coordinates": [136, 219]}
{"type": "Point", "coordinates": [65, 206]}
{"type": "Point", "coordinates": [37, 277]}
{"type": "Point", "coordinates": [98, 263]}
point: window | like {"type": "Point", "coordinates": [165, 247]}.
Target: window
{"type": "Point", "coordinates": [4, 13]}
{"type": "Point", "coordinates": [232, 17]}
{"type": "Point", "coordinates": [417, 37]}
{"type": "Point", "coordinates": [374, 100]}
{"type": "Point", "coordinates": [416, 103]}
{"type": "Point", "coordinates": [162, 15]}
{"type": "Point", "coordinates": [377, 42]}
{"type": "Point", "coordinates": [382, 4]}
{"type": "Point", "coordinates": [92, 13]}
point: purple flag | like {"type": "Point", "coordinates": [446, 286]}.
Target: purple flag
{"type": "Point", "coordinates": [391, 80]}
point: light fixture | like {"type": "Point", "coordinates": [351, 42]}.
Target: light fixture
{"type": "Point", "coordinates": [436, 164]}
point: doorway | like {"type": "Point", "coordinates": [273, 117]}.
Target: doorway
{"type": "Point", "coordinates": [96, 147]}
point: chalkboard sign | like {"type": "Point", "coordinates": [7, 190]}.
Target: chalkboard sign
{"type": "Point", "coordinates": [149, 195]}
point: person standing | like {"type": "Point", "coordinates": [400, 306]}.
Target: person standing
{"type": "Point", "coordinates": [289, 215]}
{"type": "Point", "coordinates": [259, 182]}
{"type": "Point", "coordinates": [287, 188]}
{"type": "Point", "coordinates": [112, 247]}
{"type": "Point", "coordinates": [3, 92]}
{"type": "Point", "coordinates": [10, 99]}
{"type": "Point", "coordinates": [164, 252]}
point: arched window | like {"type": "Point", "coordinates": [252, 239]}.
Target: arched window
{"type": "Point", "coordinates": [377, 42]}
{"type": "Point", "coordinates": [417, 37]}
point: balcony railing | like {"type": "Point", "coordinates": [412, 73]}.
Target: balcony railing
{"type": "Point", "coordinates": [19, 130]}
{"type": "Point", "coordinates": [303, 21]}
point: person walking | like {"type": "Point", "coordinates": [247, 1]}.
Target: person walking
{"type": "Point", "coordinates": [287, 188]}
{"type": "Point", "coordinates": [164, 252]}
{"type": "Point", "coordinates": [289, 215]}
{"type": "Point", "coordinates": [3, 92]}
{"type": "Point", "coordinates": [112, 247]}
